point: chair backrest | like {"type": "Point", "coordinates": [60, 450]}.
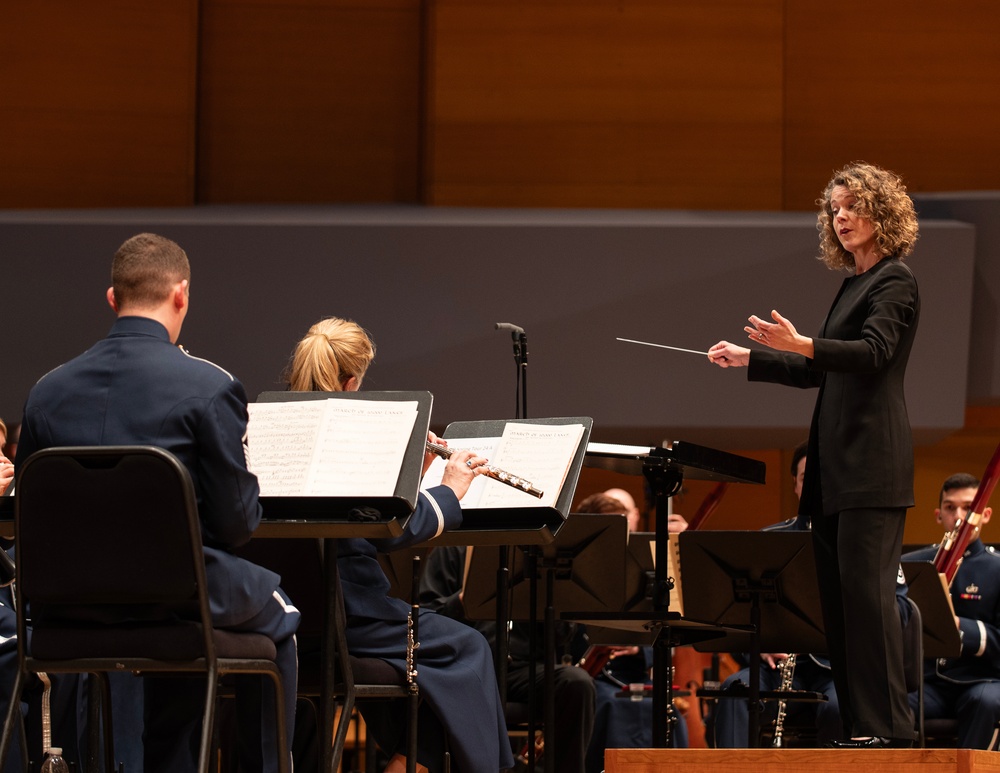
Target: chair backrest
{"type": "Point", "coordinates": [108, 536]}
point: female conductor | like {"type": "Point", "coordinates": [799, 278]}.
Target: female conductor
{"type": "Point", "coordinates": [859, 471]}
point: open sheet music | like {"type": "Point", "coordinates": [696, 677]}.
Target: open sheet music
{"type": "Point", "coordinates": [329, 447]}
{"type": "Point", "coordinates": [540, 453]}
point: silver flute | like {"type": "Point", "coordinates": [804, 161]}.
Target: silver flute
{"type": "Point", "coordinates": [491, 472]}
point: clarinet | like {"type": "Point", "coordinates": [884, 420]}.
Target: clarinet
{"type": "Point", "coordinates": [491, 472]}
{"type": "Point", "coordinates": [787, 675]}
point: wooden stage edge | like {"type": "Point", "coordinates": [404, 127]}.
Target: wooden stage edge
{"type": "Point", "coordinates": [800, 760]}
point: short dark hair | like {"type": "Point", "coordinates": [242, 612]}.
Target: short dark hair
{"type": "Point", "coordinates": [957, 481]}
{"type": "Point", "coordinates": [798, 455]}
{"type": "Point", "coordinates": [145, 268]}
{"type": "Point", "coordinates": [601, 503]}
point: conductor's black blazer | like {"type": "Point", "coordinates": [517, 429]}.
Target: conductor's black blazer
{"type": "Point", "coordinates": [860, 452]}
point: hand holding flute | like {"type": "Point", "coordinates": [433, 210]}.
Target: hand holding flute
{"type": "Point", "coordinates": [460, 470]}
{"type": "Point", "coordinates": [480, 467]}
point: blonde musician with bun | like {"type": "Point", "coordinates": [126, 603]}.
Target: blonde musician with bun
{"type": "Point", "coordinates": [458, 686]}
{"type": "Point", "coordinates": [967, 687]}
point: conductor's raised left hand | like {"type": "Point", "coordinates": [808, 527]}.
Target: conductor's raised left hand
{"type": "Point", "coordinates": [780, 334]}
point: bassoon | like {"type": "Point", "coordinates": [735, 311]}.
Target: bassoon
{"type": "Point", "coordinates": [952, 548]}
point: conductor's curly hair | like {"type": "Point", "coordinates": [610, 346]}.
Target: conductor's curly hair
{"type": "Point", "coordinates": [882, 199]}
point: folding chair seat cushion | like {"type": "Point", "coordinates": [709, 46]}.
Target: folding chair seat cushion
{"type": "Point", "coordinates": [180, 642]}
{"type": "Point", "coordinates": [375, 671]}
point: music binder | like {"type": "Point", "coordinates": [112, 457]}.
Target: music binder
{"type": "Point", "coordinates": [333, 516]}
{"type": "Point", "coordinates": [762, 581]}
{"type": "Point", "coordinates": [528, 525]}
{"type": "Point", "coordinates": [929, 590]}
{"type": "Point", "coordinates": [586, 566]}
{"type": "Point", "coordinates": [728, 573]}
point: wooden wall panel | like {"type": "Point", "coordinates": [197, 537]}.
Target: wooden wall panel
{"type": "Point", "coordinates": [600, 103]}
{"type": "Point", "coordinates": [309, 101]}
{"type": "Point", "coordinates": [911, 86]}
{"type": "Point", "coordinates": [97, 103]}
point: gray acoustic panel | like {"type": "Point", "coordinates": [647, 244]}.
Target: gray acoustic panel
{"type": "Point", "coordinates": [431, 283]}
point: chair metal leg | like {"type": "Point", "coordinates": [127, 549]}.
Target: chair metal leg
{"type": "Point", "coordinates": [340, 736]}
{"type": "Point", "coordinates": [208, 722]}
{"type": "Point", "coordinates": [8, 725]}
{"type": "Point", "coordinates": [281, 729]}
{"type": "Point", "coordinates": [23, 738]}
{"type": "Point", "coordinates": [100, 700]}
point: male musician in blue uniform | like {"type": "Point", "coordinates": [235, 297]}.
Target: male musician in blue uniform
{"type": "Point", "coordinates": [967, 687]}
{"type": "Point", "coordinates": [137, 387]}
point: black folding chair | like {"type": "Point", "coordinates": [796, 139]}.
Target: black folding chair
{"type": "Point", "coordinates": [109, 566]}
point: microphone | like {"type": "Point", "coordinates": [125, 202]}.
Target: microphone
{"type": "Point", "coordinates": [514, 329]}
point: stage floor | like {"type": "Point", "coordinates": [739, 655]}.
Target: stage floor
{"type": "Point", "coordinates": [800, 761]}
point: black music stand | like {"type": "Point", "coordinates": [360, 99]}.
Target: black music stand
{"type": "Point", "coordinates": [382, 516]}
{"type": "Point", "coordinates": [583, 569]}
{"type": "Point", "coordinates": [927, 588]}
{"type": "Point", "coordinates": [330, 518]}
{"type": "Point", "coordinates": [763, 582]}
{"type": "Point", "coordinates": [640, 576]}
{"type": "Point", "coordinates": [532, 525]}
{"type": "Point", "coordinates": [665, 469]}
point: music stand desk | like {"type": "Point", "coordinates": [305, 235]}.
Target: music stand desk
{"type": "Point", "coordinates": [682, 630]}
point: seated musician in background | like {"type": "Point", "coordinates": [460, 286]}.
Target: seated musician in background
{"type": "Point", "coordinates": [622, 723]}
{"type": "Point", "coordinates": [675, 522]}
{"type": "Point", "coordinates": [967, 688]}
{"type": "Point", "coordinates": [6, 466]}
{"type": "Point", "coordinates": [458, 685]}
{"type": "Point", "coordinates": [8, 620]}
{"type": "Point", "coordinates": [136, 387]}
{"type": "Point", "coordinates": [9, 449]}
{"type": "Point", "coordinates": [811, 673]}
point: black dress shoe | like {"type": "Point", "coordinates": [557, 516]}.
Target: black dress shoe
{"type": "Point", "coordinates": [876, 742]}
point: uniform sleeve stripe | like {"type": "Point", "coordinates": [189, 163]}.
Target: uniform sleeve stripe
{"type": "Point", "coordinates": [437, 512]}
{"type": "Point", "coordinates": [207, 362]}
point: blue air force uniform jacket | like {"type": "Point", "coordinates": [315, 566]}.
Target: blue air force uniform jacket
{"type": "Point", "coordinates": [136, 388]}
{"type": "Point", "coordinates": [975, 595]}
